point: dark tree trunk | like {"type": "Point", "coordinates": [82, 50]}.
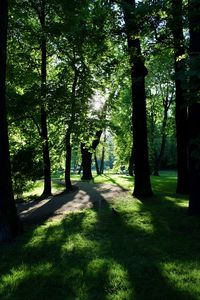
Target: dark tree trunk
{"type": "Point", "coordinates": [181, 102]}
{"type": "Point", "coordinates": [68, 184]}
{"type": "Point", "coordinates": [103, 154]}
{"type": "Point", "coordinates": [96, 164]}
{"type": "Point", "coordinates": [102, 160]}
{"type": "Point", "coordinates": [131, 163]}
{"type": "Point", "coordinates": [80, 169]}
{"type": "Point", "coordinates": [9, 225]}
{"type": "Point", "coordinates": [44, 130]}
{"type": "Point", "coordinates": [87, 156]}
{"type": "Point", "coordinates": [46, 158]}
{"type": "Point", "coordinates": [86, 163]}
{"type": "Point", "coordinates": [194, 108]}
{"type": "Point", "coordinates": [138, 72]}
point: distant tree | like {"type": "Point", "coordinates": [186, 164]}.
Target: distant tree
{"type": "Point", "coordinates": [9, 225]}
{"type": "Point", "coordinates": [194, 107]}
{"type": "Point", "coordinates": [86, 152]}
{"type": "Point", "coordinates": [160, 106]}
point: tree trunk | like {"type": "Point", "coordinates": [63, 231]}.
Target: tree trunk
{"type": "Point", "coordinates": [46, 158]}
{"type": "Point", "coordinates": [9, 225]}
{"type": "Point", "coordinates": [131, 163]}
{"type": "Point", "coordinates": [68, 184]}
{"type": "Point", "coordinates": [96, 164]}
{"type": "Point", "coordinates": [194, 108]}
{"type": "Point", "coordinates": [44, 130]}
{"type": "Point", "coordinates": [87, 156]}
{"type": "Point", "coordinates": [181, 102]}
{"type": "Point", "coordinates": [138, 72]}
{"type": "Point", "coordinates": [86, 163]}
{"type": "Point", "coordinates": [102, 160]}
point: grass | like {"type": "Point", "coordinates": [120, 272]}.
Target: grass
{"type": "Point", "coordinates": [150, 251]}
{"type": "Point", "coordinates": [37, 189]}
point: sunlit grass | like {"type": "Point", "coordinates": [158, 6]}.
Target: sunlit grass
{"type": "Point", "coordinates": [150, 251]}
{"type": "Point", "coordinates": [37, 189]}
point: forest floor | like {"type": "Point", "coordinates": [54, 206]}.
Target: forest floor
{"type": "Point", "coordinates": [85, 195]}
{"type": "Point", "coordinates": [149, 250]}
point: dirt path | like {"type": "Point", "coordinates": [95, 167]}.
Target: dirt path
{"type": "Point", "coordinates": [85, 195]}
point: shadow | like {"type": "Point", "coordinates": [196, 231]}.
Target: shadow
{"type": "Point", "coordinates": [36, 212]}
{"type": "Point", "coordinates": [84, 195]}
{"type": "Point", "coordinates": [115, 182]}
{"type": "Point", "coordinates": [97, 254]}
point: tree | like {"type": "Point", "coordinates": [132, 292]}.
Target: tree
{"type": "Point", "coordinates": [181, 99]}
{"type": "Point", "coordinates": [194, 107]}
{"type": "Point", "coordinates": [41, 12]}
{"type": "Point", "coordinates": [9, 225]}
{"type": "Point", "coordinates": [160, 106]}
{"type": "Point", "coordinates": [87, 152]}
{"type": "Point", "coordinates": [138, 73]}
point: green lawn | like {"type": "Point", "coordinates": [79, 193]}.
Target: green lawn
{"type": "Point", "coordinates": [150, 251]}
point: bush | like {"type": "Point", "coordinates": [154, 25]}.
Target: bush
{"type": "Point", "coordinates": [26, 169]}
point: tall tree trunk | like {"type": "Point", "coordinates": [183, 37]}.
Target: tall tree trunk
{"type": "Point", "coordinates": [194, 108]}
{"type": "Point", "coordinates": [87, 156]}
{"type": "Point", "coordinates": [86, 162]}
{"type": "Point", "coordinates": [44, 130]}
{"type": "Point", "coordinates": [68, 184]}
{"type": "Point", "coordinates": [131, 163]}
{"type": "Point", "coordinates": [96, 164]}
{"type": "Point", "coordinates": [138, 72]}
{"type": "Point", "coordinates": [102, 160]}
{"type": "Point", "coordinates": [181, 102]}
{"type": "Point", "coordinates": [9, 225]}
{"type": "Point", "coordinates": [103, 154]}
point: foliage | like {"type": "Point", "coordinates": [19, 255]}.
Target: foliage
{"type": "Point", "coordinates": [25, 170]}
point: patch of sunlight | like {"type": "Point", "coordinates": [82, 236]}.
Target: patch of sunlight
{"type": "Point", "coordinates": [76, 243]}
{"type": "Point", "coordinates": [49, 232]}
{"type": "Point", "coordinates": [89, 220]}
{"type": "Point", "coordinates": [117, 285]}
{"type": "Point", "coordinates": [185, 276]}
{"type": "Point", "coordinates": [11, 281]}
{"type": "Point", "coordinates": [39, 186]}
{"type": "Point", "coordinates": [143, 223]}
{"type": "Point", "coordinates": [134, 215]}
{"type": "Point", "coordinates": [178, 202]}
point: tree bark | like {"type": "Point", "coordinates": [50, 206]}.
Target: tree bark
{"type": "Point", "coordinates": [142, 186]}
{"type": "Point", "coordinates": [181, 100]}
{"type": "Point", "coordinates": [131, 163]}
{"type": "Point", "coordinates": [103, 155]}
{"type": "Point", "coordinates": [9, 225]}
{"type": "Point", "coordinates": [68, 184]}
{"type": "Point", "coordinates": [87, 156]}
{"type": "Point", "coordinates": [86, 163]}
{"type": "Point", "coordinates": [44, 130]}
{"type": "Point", "coordinates": [96, 164]}
{"type": "Point", "coordinates": [102, 160]}
{"type": "Point", "coordinates": [194, 108]}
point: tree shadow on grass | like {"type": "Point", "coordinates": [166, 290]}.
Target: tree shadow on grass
{"type": "Point", "coordinates": [116, 183]}
{"type": "Point", "coordinates": [97, 254]}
